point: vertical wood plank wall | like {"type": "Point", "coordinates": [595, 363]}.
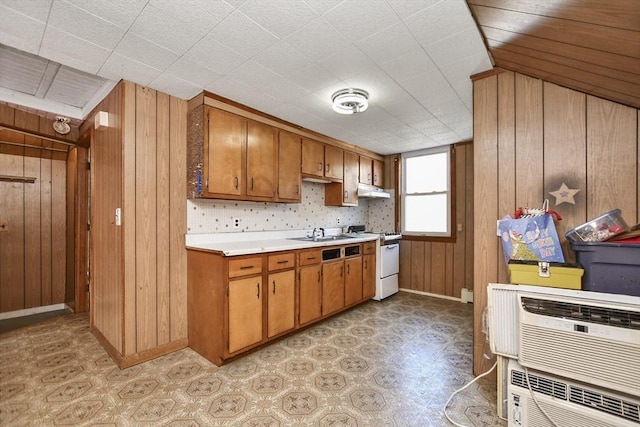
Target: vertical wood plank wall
{"type": "Point", "coordinates": [32, 216]}
{"type": "Point", "coordinates": [530, 137]}
{"type": "Point", "coordinates": [150, 311]}
{"type": "Point", "coordinates": [445, 268]}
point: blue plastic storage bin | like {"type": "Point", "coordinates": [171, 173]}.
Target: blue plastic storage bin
{"type": "Point", "coordinates": [609, 267]}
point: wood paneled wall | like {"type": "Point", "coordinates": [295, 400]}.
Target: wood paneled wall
{"type": "Point", "coordinates": [445, 268]}
{"type": "Point", "coordinates": [530, 137]}
{"type": "Point", "coordinates": [139, 268]}
{"type": "Point", "coordinates": [32, 232]}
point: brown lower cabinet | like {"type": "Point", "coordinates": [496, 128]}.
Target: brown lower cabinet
{"type": "Point", "coordinates": [238, 303]}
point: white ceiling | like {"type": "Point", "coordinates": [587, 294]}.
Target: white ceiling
{"type": "Point", "coordinates": [283, 57]}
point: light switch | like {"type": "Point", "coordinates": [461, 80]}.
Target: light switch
{"type": "Point", "coordinates": [118, 216]}
{"type": "Point", "coordinates": [459, 226]}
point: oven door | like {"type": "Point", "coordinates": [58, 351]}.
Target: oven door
{"type": "Point", "coordinates": [389, 259]}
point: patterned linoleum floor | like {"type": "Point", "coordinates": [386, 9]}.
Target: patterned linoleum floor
{"type": "Point", "coordinates": [389, 363]}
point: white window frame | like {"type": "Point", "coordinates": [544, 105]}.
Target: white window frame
{"type": "Point", "coordinates": [447, 149]}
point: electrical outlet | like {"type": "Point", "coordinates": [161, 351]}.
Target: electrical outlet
{"type": "Point", "coordinates": [338, 221]}
{"type": "Point", "coordinates": [236, 222]}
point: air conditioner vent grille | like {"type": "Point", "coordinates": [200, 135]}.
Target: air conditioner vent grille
{"type": "Point", "coordinates": [585, 313]}
{"type": "Point", "coordinates": [603, 403]}
{"type": "Point", "coordinates": [540, 384]}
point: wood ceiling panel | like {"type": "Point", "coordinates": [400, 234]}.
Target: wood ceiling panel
{"type": "Point", "coordinates": [586, 55]}
{"type": "Point", "coordinates": [587, 45]}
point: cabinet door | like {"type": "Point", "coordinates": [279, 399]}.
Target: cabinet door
{"type": "Point", "coordinates": [366, 170]}
{"type": "Point", "coordinates": [281, 302]}
{"type": "Point", "coordinates": [310, 293]}
{"type": "Point", "coordinates": [226, 136]}
{"type": "Point", "coordinates": [312, 157]}
{"type": "Point", "coordinates": [261, 160]}
{"type": "Point", "coordinates": [378, 173]}
{"type": "Point", "coordinates": [245, 313]}
{"type": "Point", "coordinates": [332, 287]}
{"type": "Point", "coordinates": [289, 160]}
{"type": "Point", "coordinates": [353, 280]}
{"type": "Point", "coordinates": [368, 276]}
{"type": "Point", "coordinates": [333, 162]}
{"type": "Point", "coordinates": [350, 182]}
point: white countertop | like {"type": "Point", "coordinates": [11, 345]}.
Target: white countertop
{"type": "Point", "coordinates": [232, 244]}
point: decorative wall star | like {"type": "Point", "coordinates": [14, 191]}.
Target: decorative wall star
{"type": "Point", "coordinates": [564, 195]}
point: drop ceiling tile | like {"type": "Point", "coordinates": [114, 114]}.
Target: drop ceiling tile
{"type": "Point", "coordinates": [20, 31]}
{"type": "Point", "coordinates": [73, 87]}
{"type": "Point", "coordinates": [265, 103]}
{"type": "Point", "coordinates": [254, 75]}
{"type": "Point", "coordinates": [199, 15]}
{"type": "Point", "coordinates": [279, 18]}
{"type": "Point", "coordinates": [317, 40]}
{"type": "Point", "coordinates": [176, 86]}
{"type": "Point", "coordinates": [324, 6]}
{"type": "Point", "coordinates": [389, 43]}
{"type": "Point", "coordinates": [440, 21]}
{"type": "Point", "coordinates": [282, 59]}
{"type": "Point", "coordinates": [142, 50]}
{"type": "Point", "coordinates": [347, 62]}
{"type": "Point", "coordinates": [75, 21]}
{"type": "Point", "coordinates": [120, 12]}
{"type": "Point", "coordinates": [409, 65]}
{"type": "Point", "coordinates": [455, 48]}
{"type": "Point", "coordinates": [241, 34]}
{"type": "Point", "coordinates": [214, 56]}
{"type": "Point", "coordinates": [314, 77]}
{"type": "Point", "coordinates": [232, 89]}
{"type": "Point", "coordinates": [120, 67]}
{"type": "Point", "coordinates": [193, 72]}
{"type": "Point", "coordinates": [35, 9]}
{"type": "Point", "coordinates": [174, 27]}
{"type": "Point", "coordinates": [360, 19]}
{"type": "Point", "coordinates": [406, 8]}
{"type": "Point", "coordinates": [285, 90]}
{"type": "Point", "coordinates": [72, 51]}
{"type": "Point", "coordinates": [21, 71]}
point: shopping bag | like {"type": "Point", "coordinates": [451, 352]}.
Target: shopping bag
{"type": "Point", "coordinates": [532, 238]}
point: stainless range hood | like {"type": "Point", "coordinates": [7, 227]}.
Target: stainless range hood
{"type": "Point", "coordinates": [370, 192]}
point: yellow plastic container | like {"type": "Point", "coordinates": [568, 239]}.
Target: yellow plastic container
{"type": "Point", "coordinates": [554, 275]}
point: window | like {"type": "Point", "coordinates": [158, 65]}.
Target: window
{"type": "Point", "coordinates": [426, 193]}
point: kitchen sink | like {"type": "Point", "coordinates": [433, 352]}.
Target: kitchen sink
{"type": "Point", "coordinates": [320, 238]}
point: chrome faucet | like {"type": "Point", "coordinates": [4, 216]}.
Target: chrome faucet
{"type": "Point", "coordinates": [318, 232]}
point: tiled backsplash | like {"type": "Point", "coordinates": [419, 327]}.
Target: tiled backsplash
{"type": "Point", "coordinates": [217, 216]}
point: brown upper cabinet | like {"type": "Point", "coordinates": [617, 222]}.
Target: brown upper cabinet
{"type": "Point", "coordinates": [321, 161]}
{"type": "Point", "coordinates": [289, 160]}
{"type": "Point", "coordinates": [236, 153]}
{"type": "Point", "coordinates": [240, 158]}
{"type": "Point", "coordinates": [371, 171]}
{"type": "Point", "coordinates": [344, 193]}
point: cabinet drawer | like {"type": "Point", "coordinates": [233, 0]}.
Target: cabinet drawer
{"type": "Point", "coordinates": [245, 266]}
{"type": "Point", "coordinates": [282, 261]}
{"type": "Point", "coordinates": [310, 257]}
{"type": "Point", "coordinates": [369, 248]}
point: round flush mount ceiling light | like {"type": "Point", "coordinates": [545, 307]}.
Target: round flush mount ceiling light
{"type": "Point", "coordinates": [61, 125]}
{"type": "Point", "coordinates": [350, 101]}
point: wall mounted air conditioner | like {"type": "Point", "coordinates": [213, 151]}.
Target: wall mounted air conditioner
{"type": "Point", "coordinates": [568, 403]}
{"type": "Point", "coordinates": [596, 341]}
